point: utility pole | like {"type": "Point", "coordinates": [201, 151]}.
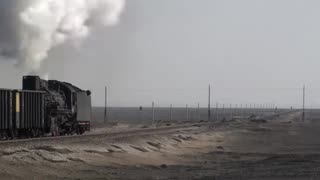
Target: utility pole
{"type": "Point", "coordinates": [105, 104]}
{"type": "Point", "coordinates": [236, 110]}
{"type": "Point", "coordinates": [209, 104]}
{"type": "Point", "coordinates": [231, 112]}
{"type": "Point", "coordinates": [199, 116]}
{"type": "Point", "coordinates": [303, 102]}
{"type": "Point", "coordinates": [152, 113]}
{"type": "Point", "coordinates": [246, 110]}
{"type": "Point", "coordinates": [223, 112]}
{"type": "Point", "coordinates": [170, 112]}
{"type": "Point", "coordinates": [187, 112]}
{"type": "Point", "coordinates": [217, 115]}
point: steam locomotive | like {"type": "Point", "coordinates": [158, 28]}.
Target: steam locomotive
{"type": "Point", "coordinates": [44, 108]}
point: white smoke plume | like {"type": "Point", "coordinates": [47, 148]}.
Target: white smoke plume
{"type": "Point", "coordinates": [34, 27]}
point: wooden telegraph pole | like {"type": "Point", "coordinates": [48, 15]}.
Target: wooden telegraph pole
{"type": "Point", "coordinates": [105, 104]}
{"type": "Point", "coordinates": [209, 104]}
{"type": "Point", "coordinates": [303, 103]}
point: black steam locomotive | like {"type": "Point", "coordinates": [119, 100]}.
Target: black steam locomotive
{"type": "Point", "coordinates": [44, 108]}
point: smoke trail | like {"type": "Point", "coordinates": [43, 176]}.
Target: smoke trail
{"type": "Point", "coordinates": [34, 27]}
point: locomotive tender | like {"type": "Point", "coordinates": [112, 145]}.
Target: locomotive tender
{"type": "Point", "coordinates": [44, 108]}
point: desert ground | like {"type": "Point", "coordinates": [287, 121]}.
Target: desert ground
{"type": "Point", "coordinates": [270, 147]}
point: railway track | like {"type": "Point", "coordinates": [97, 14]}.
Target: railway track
{"type": "Point", "coordinates": [116, 135]}
{"type": "Point", "coordinates": [107, 136]}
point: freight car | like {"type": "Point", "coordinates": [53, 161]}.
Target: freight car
{"type": "Point", "coordinates": [44, 108]}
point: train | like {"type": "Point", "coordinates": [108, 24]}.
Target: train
{"type": "Point", "coordinates": [44, 108]}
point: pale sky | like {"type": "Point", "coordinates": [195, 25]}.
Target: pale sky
{"type": "Point", "coordinates": [168, 51]}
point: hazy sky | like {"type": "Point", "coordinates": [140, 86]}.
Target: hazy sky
{"type": "Point", "coordinates": [168, 51]}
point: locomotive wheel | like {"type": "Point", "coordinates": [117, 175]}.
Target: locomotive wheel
{"type": "Point", "coordinates": [54, 127]}
{"type": "Point", "coordinates": [29, 133]}
{"type": "Point", "coordinates": [1, 135]}
{"type": "Point", "coordinates": [4, 135]}
{"type": "Point", "coordinates": [80, 130]}
{"type": "Point", "coordinates": [55, 132]}
{"type": "Point", "coordinates": [38, 133]}
{"type": "Point", "coordinates": [34, 133]}
{"type": "Point", "coordinates": [11, 134]}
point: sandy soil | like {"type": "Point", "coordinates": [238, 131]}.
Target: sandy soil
{"type": "Point", "coordinates": [281, 148]}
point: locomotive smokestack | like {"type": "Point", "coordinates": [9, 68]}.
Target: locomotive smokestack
{"type": "Point", "coordinates": [31, 83]}
{"type": "Point", "coordinates": [33, 27]}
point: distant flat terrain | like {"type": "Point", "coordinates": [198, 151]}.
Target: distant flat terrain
{"type": "Point", "coordinates": [133, 115]}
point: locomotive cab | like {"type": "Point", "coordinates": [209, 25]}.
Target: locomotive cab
{"type": "Point", "coordinates": [83, 108]}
